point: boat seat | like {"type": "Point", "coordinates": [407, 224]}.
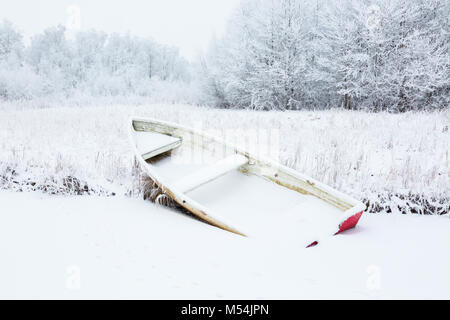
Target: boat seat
{"type": "Point", "coordinates": [152, 144]}
{"type": "Point", "coordinates": [210, 173]}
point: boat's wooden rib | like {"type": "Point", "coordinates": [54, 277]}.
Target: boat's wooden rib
{"type": "Point", "coordinates": [235, 158]}
{"type": "Point", "coordinates": [162, 149]}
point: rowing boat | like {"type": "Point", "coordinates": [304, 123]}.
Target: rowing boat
{"type": "Point", "coordinates": [236, 190]}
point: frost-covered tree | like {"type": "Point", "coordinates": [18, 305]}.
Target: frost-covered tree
{"type": "Point", "coordinates": [50, 56]}
{"type": "Point", "coordinates": [356, 54]}
{"type": "Point", "coordinates": [260, 62]}
{"type": "Point", "coordinates": [88, 63]}
{"type": "Point", "coordinates": [11, 44]}
{"type": "Point", "coordinates": [17, 79]}
{"type": "Point", "coordinates": [87, 55]}
{"type": "Point", "coordinates": [424, 70]}
{"type": "Point", "coordinates": [350, 52]}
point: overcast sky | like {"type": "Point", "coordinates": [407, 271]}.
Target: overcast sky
{"type": "Point", "coordinates": [188, 24]}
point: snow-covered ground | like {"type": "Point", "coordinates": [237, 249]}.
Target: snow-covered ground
{"type": "Point", "coordinates": [393, 161]}
{"type": "Point", "coordinates": [120, 247]}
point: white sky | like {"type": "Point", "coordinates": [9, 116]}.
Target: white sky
{"type": "Point", "coordinates": [188, 24]}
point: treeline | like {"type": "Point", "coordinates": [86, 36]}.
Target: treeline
{"type": "Point", "coordinates": [91, 62]}
{"type": "Point", "coordinates": [356, 54]}
{"type": "Point", "coordinates": [275, 54]}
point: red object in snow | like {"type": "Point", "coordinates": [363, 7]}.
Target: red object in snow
{"type": "Point", "coordinates": [347, 224]}
{"type": "Point", "coordinates": [315, 243]}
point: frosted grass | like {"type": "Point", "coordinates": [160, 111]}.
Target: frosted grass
{"type": "Point", "coordinates": [377, 157]}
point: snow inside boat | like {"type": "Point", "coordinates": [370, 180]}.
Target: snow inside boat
{"type": "Point", "coordinates": [237, 191]}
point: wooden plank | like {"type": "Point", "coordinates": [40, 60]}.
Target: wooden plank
{"type": "Point", "coordinates": [162, 149]}
{"type": "Point", "coordinates": [210, 173]}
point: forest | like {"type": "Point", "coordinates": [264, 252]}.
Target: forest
{"type": "Point", "coordinates": [385, 55]}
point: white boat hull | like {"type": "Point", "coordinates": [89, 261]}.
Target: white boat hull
{"type": "Point", "coordinates": [235, 190]}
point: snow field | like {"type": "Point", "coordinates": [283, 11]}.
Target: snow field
{"type": "Point", "coordinates": [96, 247]}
